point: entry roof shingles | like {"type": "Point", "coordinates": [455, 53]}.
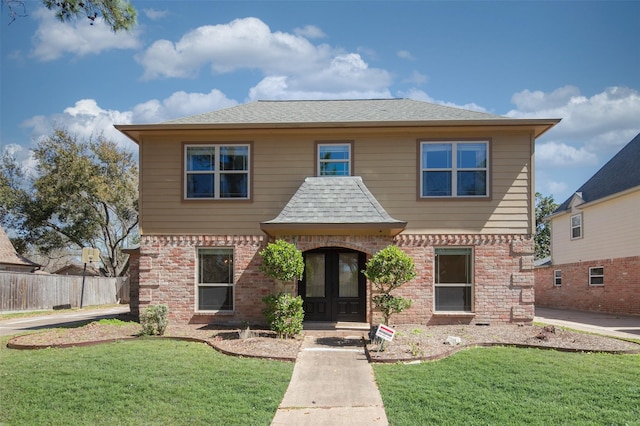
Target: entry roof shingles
{"type": "Point", "coordinates": [334, 111]}
{"type": "Point", "coordinates": [333, 200]}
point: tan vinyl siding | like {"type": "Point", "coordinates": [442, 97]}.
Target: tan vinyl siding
{"type": "Point", "coordinates": [384, 159]}
{"type": "Point", "coordinates": [609, 227]}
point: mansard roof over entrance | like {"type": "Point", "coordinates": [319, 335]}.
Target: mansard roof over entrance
{"type": "Point", "coordinates": [336, 205]}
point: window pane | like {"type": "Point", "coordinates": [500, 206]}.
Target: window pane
{"type": "Point", "coordinates": [575, 220]}
{"type": "Point", "coordinates": [472, 183]}
{"type": "Point", "coordinates": [200, 185]}
{"type": "Point", "coordinates": [334, 169]}
{"type": "Point", "coordinates": [234, 158]}
{"type": "Point", "coordinates": [472, 155]}
{"type": "Point", "coordinates": [334, 152]}
{"type": "Point", "coordinates": [348, 270]}
{"type": "Point", "coordinates": [576, 232]}
{"type": "Point", "coordinates": [436, 156]}
{"type": "Point", "coordinates": [597, 271]}
{"type": "Point", "coordinates": [233, 185]}
{"type": "Point", "coordinates": [314, 275]}
{"type": "Point", "coordinates": [453, 266]}
{"type": "Point", "coordinates": [453, 299]}
{"type": "Point", "coordinates": [436, 184]}
{"type": "Point", "coordinates": [200, 159]}
{"type": "Point", "coordinates": [215, 266]}
{"type": "Point", "coordinates": [215, 298]}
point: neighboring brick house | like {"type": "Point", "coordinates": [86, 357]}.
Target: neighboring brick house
{"type": "Point", "coordinates": [595, 242]}
{"type": "Point", "coordinates": [340, 179]}
{"type": "Point", "coordinates": [10, 260]}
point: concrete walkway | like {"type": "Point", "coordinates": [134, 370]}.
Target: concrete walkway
{"type": "Point", "coordinates": [332, 384]}
{"type": "Point", "coordinates": [622, 326]}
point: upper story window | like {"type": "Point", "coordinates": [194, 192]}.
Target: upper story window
{"type": "Point", "coordinates": [576, 226]}
{"type": "Point", "coordinates": [454, 169]}
{"type": "Point", "coordinates": [334, 159]}
{"type": "Point", "coordinates": [216, 172]}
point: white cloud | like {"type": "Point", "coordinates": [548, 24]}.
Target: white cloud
{"type": "Point", "coordinates": [278, 87]}
{"type": "Point", "coordinates": [155, 14]}
{"type": "Point", "coordinates": [53, 38]}
{"type": "Point", "coordinates": [554, 154]}
{"type": "Point", "coordinates": [405, 54]}
{"type": "Point", "coordinates": [309, 31]}
{"type": "Point", "coordinates": [180, 104]}
{"type": "Point", "coordinates": [420, 95]}
{"type": "Point", "coordinates": [417, 78]}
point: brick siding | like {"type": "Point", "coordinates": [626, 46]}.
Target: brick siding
{"type": "Point", "coordinates": [503, 275]}
{"type": "Point", "coordinates": [620, 293]}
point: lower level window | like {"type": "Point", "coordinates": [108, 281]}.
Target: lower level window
{"type": "Point", "coordinates": [453, 279]}
{"type": "Point", "coordinates": [557, 277]}
{"type": "Point", "coordinates": [215, 279]}
{"type": "Point", "coordinates": [596, 276]}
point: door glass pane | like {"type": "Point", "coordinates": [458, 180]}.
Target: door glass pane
{"type": "Point", "coordinates": [348, 275]}
{"type": "Point", "coordinates": [314, 275]}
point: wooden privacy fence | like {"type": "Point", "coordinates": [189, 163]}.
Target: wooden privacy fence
{"type": "Point", "coordinates": [25, 292]}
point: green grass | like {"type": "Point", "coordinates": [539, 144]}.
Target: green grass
{"type": "Point", "coordinates": [140, 382]}
{"type": "Point", "coordinates": [505, 386]}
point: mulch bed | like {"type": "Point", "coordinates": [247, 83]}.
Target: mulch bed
{"type": "Point", "coordinates": [410, 343]}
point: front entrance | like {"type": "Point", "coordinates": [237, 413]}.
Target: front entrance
{"type": "Point", "coordinates": [333, 287]}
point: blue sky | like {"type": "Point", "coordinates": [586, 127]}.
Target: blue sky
{"type": "Point", "coordinates": [579, 61]}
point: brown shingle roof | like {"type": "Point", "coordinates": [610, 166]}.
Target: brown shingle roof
{"type": "Point", "coordinates": [8, 254]}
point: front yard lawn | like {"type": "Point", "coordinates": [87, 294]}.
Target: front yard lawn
{"type": "Point", "coordinates": [138, 382]}
{"type": "Point", "coordinates": [501, 385]}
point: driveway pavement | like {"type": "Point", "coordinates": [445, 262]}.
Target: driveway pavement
{"type": "Point", "coordinates": [19, 325]}
{"type": "Point", "coordinates": [623, 326]}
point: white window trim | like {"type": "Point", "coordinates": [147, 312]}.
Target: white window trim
{"type": "Point", "coordinates": [216, 172]}
{"type": "Point", "coordinates": [571, 227]}
{"type": "Point", "coordinates": [592, 275]}
{"type": "Point", "coordinates": [319, 161]}
{"type": "Point", "coordinates": [557, 276]}
{"type": "Point", "coordinates": [454, 169]}
{"type": "Point", "coordinates": [471, 284]}
{"type": "Point", "coordinates": [198, 284]}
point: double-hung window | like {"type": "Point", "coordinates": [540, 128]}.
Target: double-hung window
{"type": "Point", "coordinates": [596, 276]}
{"type": "Point", "coordinates": [215, 279]}
{"type": "Point", "coordinates": [576, 226]}
{"type": "Point", "coordinates": [557, 277]}
{"type": "Point", "coordinates": [334, 159]}
{"type": "Point", "coordinates": [453, 279]}
{"type": "Point", "coordinates": [454, 169]}
{"type": "Point", "coordinates": [217, 172]}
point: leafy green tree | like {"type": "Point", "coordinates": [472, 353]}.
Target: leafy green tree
{"type": "Point", "coordinates": [389, 269]}
{"type": "Point", "coordinates": [82, 194]}
{"type": "Point", "coordinates": [544, 207]}
{"type": "Point", "coordinates": [118, 14]}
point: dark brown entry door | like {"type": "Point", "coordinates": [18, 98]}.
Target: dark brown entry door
{"type": "Point", "coordinates": [333, 287]}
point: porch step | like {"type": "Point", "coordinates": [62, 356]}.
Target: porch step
{"type": "Point", "coordinates": [342, 325]}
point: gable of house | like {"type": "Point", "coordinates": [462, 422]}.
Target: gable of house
{"type": "Point", "coordinates": [10, 260]}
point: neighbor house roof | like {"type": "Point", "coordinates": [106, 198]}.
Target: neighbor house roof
{"type": "Point", "coordinates": [8, 254]}
{"type": "Point", "coordinates": [619, 174]}
{"type": "Point", "coordinates": [337, 113]}
{"type": "Point", "coordinates": [332, 202]}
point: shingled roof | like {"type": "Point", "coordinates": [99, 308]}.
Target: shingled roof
{"type": "Point", "coordinates": [8, 254]}
{"type": "Point", "coordinates": [336, 113]}
{"type": "Point", "coordinates": [619, 174]}
{"type": "Point", "coordinates": [333, 203]}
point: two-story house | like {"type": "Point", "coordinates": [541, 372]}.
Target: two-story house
{"type": "Point", "coordinates": [595, 242]}
{"type": "Point", "coordinates": [340, 179]}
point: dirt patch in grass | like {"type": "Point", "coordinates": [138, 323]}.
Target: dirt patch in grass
{"type": "Point", "coordinates": [411, 342]}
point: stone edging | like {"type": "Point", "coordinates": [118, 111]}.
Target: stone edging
{"type": "Point", "coordinates": [13, 345]}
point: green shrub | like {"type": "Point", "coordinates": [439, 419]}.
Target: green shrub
{"type": "Point", "coordinates": [284, 314]}
{"type": "Point", "coordinates": [282, 260]}
{"type": "Point", "coordinates": [387, 270]}
{"type": "Point", "coordinates": [154, 320]}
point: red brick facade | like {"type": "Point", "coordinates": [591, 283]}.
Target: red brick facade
{"type": "Point", "coordinates": [620, 293]}
{"type": "Point", "coordinates": [503, 275]}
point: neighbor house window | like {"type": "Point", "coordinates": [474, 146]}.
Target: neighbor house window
{"type": "Point", "coordinates": [576, 226]}
{"type": "Point", "coordinates": [596, 276]}
{"type": "Point", "coordinates": [217, 172]}
{"type": "Point", "coordinates": [215, 279]}
{"type": "Point", "coordinates": [557, 277]}
{"type": "Point", "coordinates": [454, 169]}
{"type": "Point", "coordinates": [334, 159]}
{"type": "Point", "coordinates": [453, 279]}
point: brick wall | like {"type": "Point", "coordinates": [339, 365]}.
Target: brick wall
{"type": "Point", "coordinates": [620, 293]}
{"type": "Point", "coordinates": [503, 274]}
